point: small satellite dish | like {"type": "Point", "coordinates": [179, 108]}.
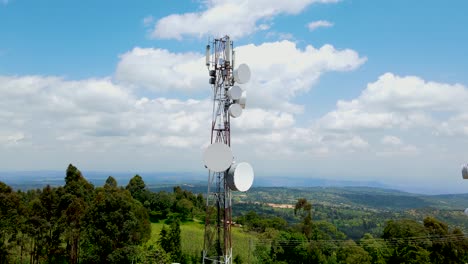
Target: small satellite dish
{"type": "Point", "coordinates": [465, 172]}
{"type": "Point", "coordinates": [242, 74]}
{"type": "Point", "coordinates": [466, 211]}
{"type": "Point", "coordinates": [240, 177]}
{"type": "Point", "coordinates": [234, 92]}
{"type": "Point", "coordinates": [235, 110]}
{"type": "Point", "coordinates": [218, 157]}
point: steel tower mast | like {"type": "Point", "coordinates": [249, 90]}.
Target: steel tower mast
{"type": "Point", "coordinates": [228, 101]}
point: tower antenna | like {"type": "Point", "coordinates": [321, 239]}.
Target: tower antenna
{"type": "Point", "coordinates": [224, 175]}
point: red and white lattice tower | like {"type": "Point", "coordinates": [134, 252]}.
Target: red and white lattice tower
{"type": "Point", "coordinates": [224, 175]}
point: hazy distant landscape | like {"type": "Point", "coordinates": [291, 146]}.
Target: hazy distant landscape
{"type": "Point", "coordinates": [37, 179]}
{"type": "Point", "coordinates": [353, 191]}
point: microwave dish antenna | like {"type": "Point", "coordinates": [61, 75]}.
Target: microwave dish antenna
{"type": "Point", "coordinates": [218, 157]}
{"type": "Point", "coordinates": [224, 175]}
{"type": "Point", "coordinates": [240, 177]}
{"type": "Point", "coordinates": [234, 92]}
{"type": "Point", "coordinates": [235, 110]}
{"type": "Point", "coordinates": [243, 99]}
{"type": "Point", "coordinates": [242, 74]}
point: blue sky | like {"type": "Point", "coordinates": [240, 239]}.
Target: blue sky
{"type": "Point", "coordinates": [379, 88]}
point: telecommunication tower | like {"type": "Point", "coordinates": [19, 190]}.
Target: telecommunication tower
{"type": "Point", "coordinates": [224, 175]}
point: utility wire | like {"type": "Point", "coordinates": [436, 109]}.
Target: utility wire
{"type": "Point", "coordinates": [364, 242]}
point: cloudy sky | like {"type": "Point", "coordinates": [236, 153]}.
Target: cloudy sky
{"type": "Point", "coordinates": [342, 90]}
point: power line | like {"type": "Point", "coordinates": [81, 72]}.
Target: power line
{"type": "Point", "coordinates": [365, 242]}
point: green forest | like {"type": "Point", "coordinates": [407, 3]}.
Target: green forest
{"type": "Point", "coordinates": [132, 223]}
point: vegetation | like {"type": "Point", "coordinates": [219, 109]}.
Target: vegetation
{"type": "Point", "coordinates": [76, 223]}
{"type": "Point", "coordinates": [352, 216]}
{"type": "Point", "coordinates": [81, 223]}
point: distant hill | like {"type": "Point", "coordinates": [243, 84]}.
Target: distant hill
{"type": "Point", "coordinates": [358, 197]}
{"type": "Point", "coordinates": [355, 197]}
{"type": "Point", "coordinates": [345, 191]}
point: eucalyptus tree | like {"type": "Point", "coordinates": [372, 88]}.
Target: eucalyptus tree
{"type": "Point", "coordinates": [115, 224]}
{"type": "Point", "coordinates": [74, 203]}
{"type": "Point", "coordinates": [9, 220]}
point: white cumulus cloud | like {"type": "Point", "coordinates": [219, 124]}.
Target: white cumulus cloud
{"type": "Point", "coordinates": [236, 17]}
{"type": "Point", "coordinates": [161, 70]}
{"type": "Point", "coordinates": [431, 117]}
{"type": "Point", "coordinates": [319, 24]}
{"type": "Point", "coordinates": [280, 71]}
{"type": "Point", "coordinates": [398, 102]}
{"type": "Point", "coordinates": [391, 140]}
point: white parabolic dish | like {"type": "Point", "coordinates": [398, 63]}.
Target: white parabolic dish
{"type": "Point", "coordinates": [234, 92]}
{"type": "Point", "coordinates": [240, 177]}
{"type": "Point", "coordinates": [218, 157]}
{"type": "Point", "coordinates": [465, 172]}
{"type": "Point", "coordinates": [235, 110]}
{"type": "Point", "coordinates": [243, 99]}
{"type": "Point", "coordinates": [242, 74]}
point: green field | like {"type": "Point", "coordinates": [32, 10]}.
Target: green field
{"type": "Point", "coordinates": [192, 239]}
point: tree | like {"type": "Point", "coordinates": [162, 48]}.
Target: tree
{"type": "Point", "coordinates": [304, 208]}
{"type": "Point", "coordinates": [377, 249]}
{"type": "Point", "coordinates": [323, 241]}
{"type": "Point", "coordinates": [407, 240]}
{"type": "Point", "coordinates": [77, 185]}
{"type": "Point", "coordinates": [114, 225]}
{"type": "Point", "coordinates": [161, 203]}
{"type": "Point", "coordinates": [110, 182]}
{"type": "Point", "coordinates": [323, 230]}
{"type": "Point", "coordinates": [137, 188]}
{"type": "Point", "coordinates": [50, 213]}
{"type": "Point", "coordinates": [350, 252]}
{"type": "Point", "coordinates": [175, 241]}
{"type": "Point", "coordinates": [72, 218]}
{"type": "Point", "coordinates": [185, 208]}
{"type": "Point", "coordinates": [170, 240]}
{"type": "Point", "coordinates": [37, 227]}
{"type": "Point", "coordinates": [164, 240]}
{"type": "Point", "coordinates": [459, 246]}
{"type": "Point", "coordinates": [261, 253]}
{"type": "Point", "coordinates": [286, 246]}
{"type": "Point", "coordinates": [72, 174]}
{"type": "Point", "coordinates": [442, 249]}
{"type": "Point", "coordinates": [9, 219]}
{"type": "Point", "coordinates": [154, 254]}
{"type": "Point", "coordinates": [78, 194]}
